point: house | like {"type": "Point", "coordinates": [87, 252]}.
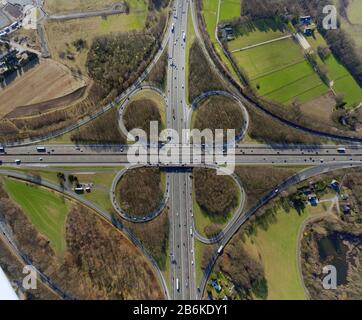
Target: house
{"type": "Point", "coordinates": [308, 31]}
{"type": "Point", "coordinates": [306, 190]}
{"type": "Point", "coordinates": [216, 285]}
{"type": "Point", "coordinates": [346, 209]}
{"type": "Point", "coordinates": [227, 32]}
{"type": "Point", "coordinates": [306, 20]}
{"type": "Point", "coordinates": [313, 200]}
{"type": "Point", "coordinates": [335, 186]}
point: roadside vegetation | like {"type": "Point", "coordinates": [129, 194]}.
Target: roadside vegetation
{"type": "Point", "coordinates": [55, 6]}
{"type": "Point", "coordinates": [98, 178]}
{"type": "Point", "coordinates": [265, 129]}
{"type": "Point", "coordinates": [255, 184]}
{"type": "Point", "coordinates": [198, 69]}
{"type": "Point", "coordinates": [87, 270]}
{"type": "Point", "coordinates": [116, 61]}
{"type": "Point", "coordinates": [271, 239]}
{"type": "Point", "coordinates": [215, 201]}
{"type": "Point", "coordinates": [154, 236]}
{"type": "Point", "coordinates": [140, 191]}
{"type": "Point", "coordinates": [218, 112]}
{"type": "Point", "coordinates": [145, 106]}
{"type": "Point", "coordinates": [158, 75]}
{"type": "Point", "coordinates": [64, 37]}
{"type": "Point", "coordinates": [190, 39]}
{"type": "Point", "coordinates": [140, 113]}
{"type": "Point", "coordinates": [103, 130]}
{"type": "Point", "coordinates": [239, 275]}
{"type": "Point", "coordinates": [336, 240]}
{"type": "Point", "coordinates": [13, 269]}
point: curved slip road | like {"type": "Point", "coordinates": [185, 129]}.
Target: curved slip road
{"type": "Point", "coordinates": [127, 216]}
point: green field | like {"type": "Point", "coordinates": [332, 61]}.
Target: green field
{"type": "Point", "coordinates": [279, 72]}
{"type": "Point", "coordinates": [251, 33]}
{"type": "Point", "coordinates": [277, 248]}
{"type": "Point", "coordinates": [344, 83]}
{"type": "Point", "coordinates": [101, 177]}
{"type": "Point", "coordinates": [209, 12]}
{"type": "Point", "coordinates": [100, 192]}
{"type": "Point", "coordinates": [229, 9]}
{"type": "Point", "coordinates": [47, 210]}
{"type": "Point", "coordinates": [304, 89]}
{"type": "Point", "coordinates": [265, 59]}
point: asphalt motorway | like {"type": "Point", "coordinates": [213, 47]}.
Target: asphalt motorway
{"type": "Point", "coordinates": [63, 155]}
{"type": "Point", "coordinates": [183, 278]}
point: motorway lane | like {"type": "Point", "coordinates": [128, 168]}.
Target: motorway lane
{"type": "Point", "coordinates": [267, 157]}
{"type": "Point", "coordinates": [66, 149]}
{"type": "Point", "coordinates": [182, 273]}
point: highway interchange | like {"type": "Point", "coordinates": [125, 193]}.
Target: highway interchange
{"type": "Point", "coordinates": [183, 285]}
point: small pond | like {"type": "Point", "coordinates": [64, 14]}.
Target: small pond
{"type": "Point", "coordinates": [332, 251]}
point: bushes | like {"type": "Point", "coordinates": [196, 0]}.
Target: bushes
{"type": "Point", "coordinates": [139, 191]}
{"type": "Point", "coordinates": [154, 237]}
{"type": "Point", "coordinates": [246, 272]}
{"type": "Point", "coordinates": [216, 195]}
{"type": "Point", "coordinates": [101, 130]}
{"type": "Point", "coordinates": [345, 50]}
{"type": "Point", "coordinates": [140, 113]}
{"type": "Point", "coordinates": [115, 61]}
{"type": "Point", "coordinates": [265, 129]}
{"type": "Point", "coordinates": [201, 76]}
{"type": "Point", "coordinates": [158, 74]}
{"type": "Point", "coordinates": [218, 112]}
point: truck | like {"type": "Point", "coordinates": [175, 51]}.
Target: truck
{"type": "Point", "coordinates": [41, 149]}
{"type": "Point", "coordinates": [79, 189]}
{"type": "Point", "coordinates": [184, 36]}
{"type": "Point", "coordinates": [177, 284]}
{"type": "Point", "coordinates": [220, 249]}
{"type": "Point", "coordinates": [191, 231]}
